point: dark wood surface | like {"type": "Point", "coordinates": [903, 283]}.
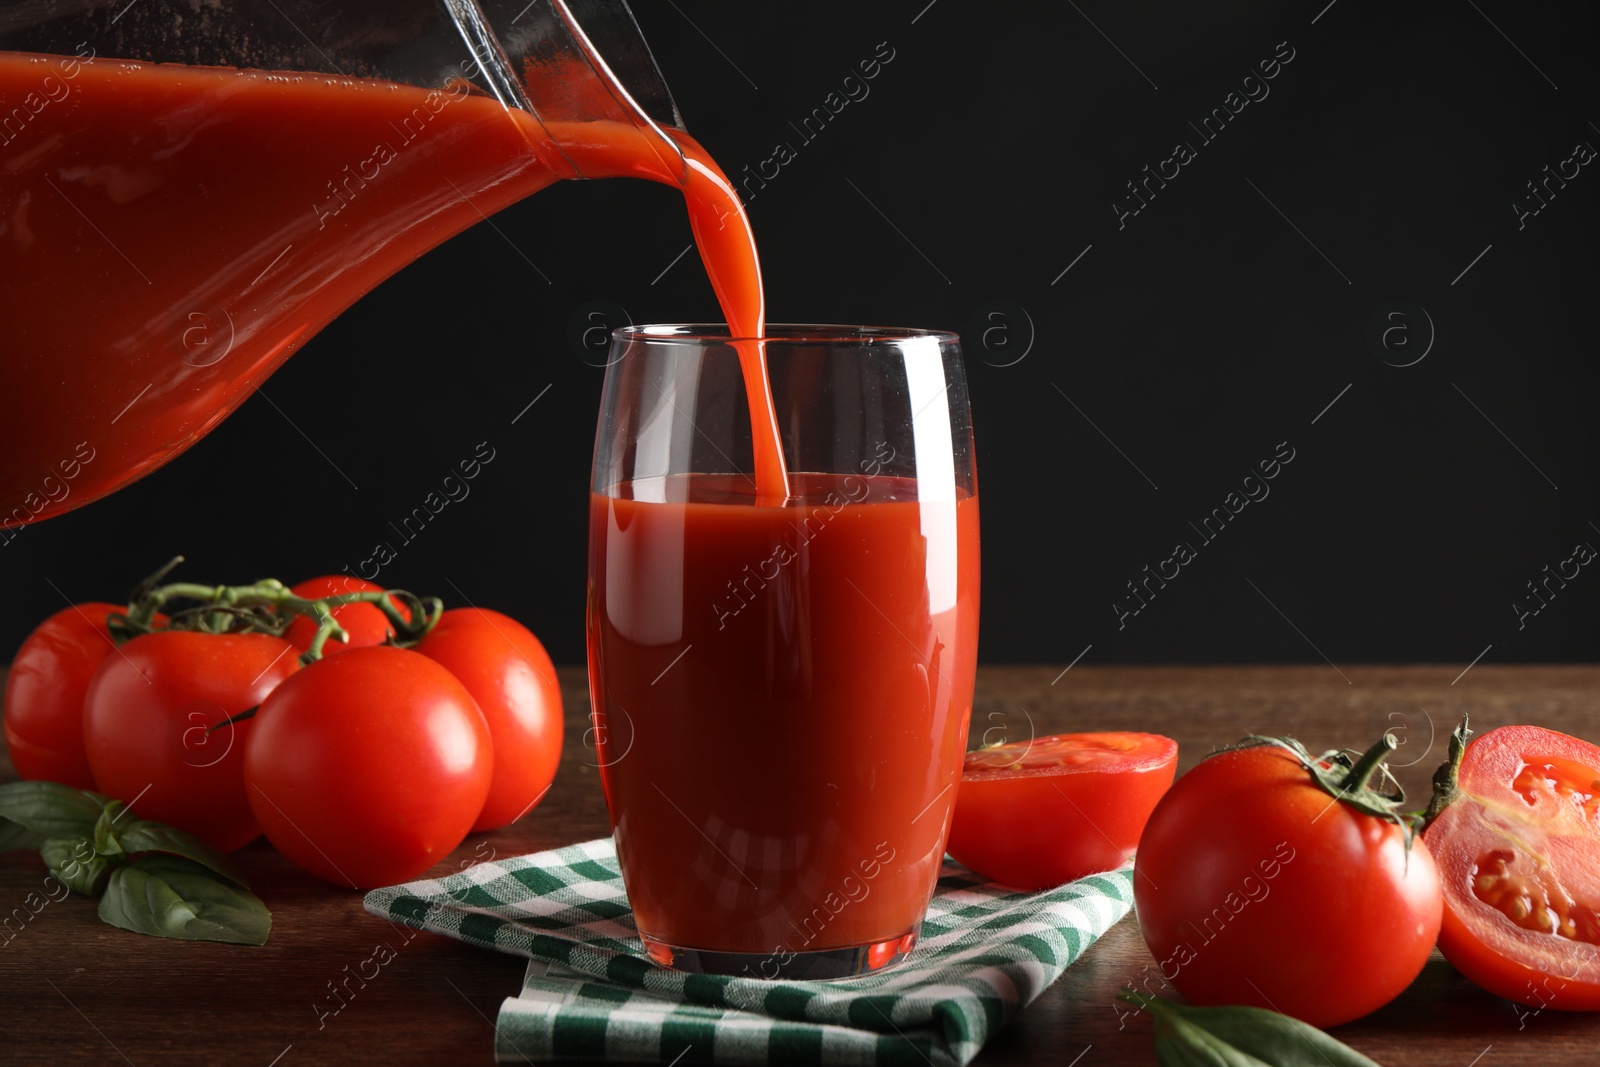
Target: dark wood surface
{"type": "Point", "coordinates": [73, 990]}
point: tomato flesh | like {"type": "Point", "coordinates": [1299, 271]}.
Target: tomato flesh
{"type": "Point", "coordinates": [1519, 853]}
{"type": "Point", "coordinates": [1533, 898]}
{"type": "Point", "coordinates": [1034, 814]}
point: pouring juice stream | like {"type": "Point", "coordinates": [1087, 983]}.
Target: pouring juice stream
{"type": "Point", "coordinates": [169, 235]}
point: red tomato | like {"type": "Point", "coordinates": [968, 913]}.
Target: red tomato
{"type": "Point", "coordinates": [1519, 859]}
{"type": "Point", "coordinates": [1034, 814]}
{"type": "Point", "coordinates": [151, 727]}
{"type": "Point", "coordinates": [510, 675]}
{"type": "Point", "coordinates": [364, 624]}
{"type": "Point", "coordinates": [1254, 886]}
{"type": "Point", "coordinates": [368, 768]}
{"type": "Point", "coordinates": [44, 694]}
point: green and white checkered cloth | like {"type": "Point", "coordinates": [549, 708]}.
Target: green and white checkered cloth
{"type": "Point", "coordinates": [591, 993]}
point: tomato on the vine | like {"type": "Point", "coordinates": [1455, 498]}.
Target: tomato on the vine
{"type": "Point", "coordinates": [363, 624]}
{"type": "Point", "coordinates": [1518, 846]}
{"type": "Point", "coordinates": [44, 694]}
{"type": "Point", "coordinates": [1270, 878]}
{"type": "Point", "coordinates": [367, 768]}
{"type": "Point", "coordinates": [1034, 814]}
{"type": "Point", "coordinates": [510, 675]}
{"type": "Point", "coordinates": [159, 728]}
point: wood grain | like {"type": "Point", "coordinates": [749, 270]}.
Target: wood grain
{"type": "Point", "coordinates": [73, 990]}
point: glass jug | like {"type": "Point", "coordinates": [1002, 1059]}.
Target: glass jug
{"type": "Point", "coordinates": [187, 195]}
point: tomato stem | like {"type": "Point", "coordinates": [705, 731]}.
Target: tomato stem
{"type": "Point", "coordinates": [1351, 783]}
{"type": "Point", "coordinates": [1361, 774]}
{"type": "Point", "coordinates": [1447, 779]}
{"type": "Point", "coordinates": [234, 720]}
{"type": "Point", "coordinates": [268, 606]}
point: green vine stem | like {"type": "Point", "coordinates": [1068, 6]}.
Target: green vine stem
{"type": "Point", "coordinates": [266, 606]}
{"type": "Point", "coordinates": [1350, 781]}
{"type": "Point", "coordinates": [1360, 775]}
{"type": "Point", "coordinates": [1447, 779]}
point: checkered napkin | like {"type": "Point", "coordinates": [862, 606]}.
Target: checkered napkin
{"type": "Point", "coordinates": [591, 993]}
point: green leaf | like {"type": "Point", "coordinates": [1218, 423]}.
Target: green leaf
{"type": "Point", "coordinates": [105, 839]}
{"type": "Point", "coordinates": [1240, 1037]}
{"type": "Point", "coordinates": [142, 835]}
{"type": "Point", "coordinates": [14, 836]}
{"type": "Point", "coordinates": [51, 809]}
{"type": "Point", "coordinates": [74, 861]}
{"type": "Point", "coordinates": [169, 896]}
{"type": "Point", "coordinates": [1181, 1043]}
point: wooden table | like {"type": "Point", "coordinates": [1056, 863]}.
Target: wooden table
{"type": "Point", "coordinates": [73, 990]}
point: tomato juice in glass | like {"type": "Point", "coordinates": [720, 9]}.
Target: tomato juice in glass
{"type": "Point", "coordinates": [782, 690]}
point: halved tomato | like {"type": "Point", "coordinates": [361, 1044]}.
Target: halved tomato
{"type": "Point", "coordinates": [1518, 851]}
{"type": "Point", "coordinates": [1034, 814]}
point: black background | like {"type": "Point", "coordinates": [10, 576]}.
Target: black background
{"type": "Point", "coordinates": [1115, 401]}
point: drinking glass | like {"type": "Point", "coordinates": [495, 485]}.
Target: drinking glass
{"type": "Point", "coordinates": [781, 691]}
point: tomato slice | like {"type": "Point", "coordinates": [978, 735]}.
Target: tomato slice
{"type": "Point", "coordinates": [1519, 859]}
{"type": "Point", "coordinates": [1034, 814]}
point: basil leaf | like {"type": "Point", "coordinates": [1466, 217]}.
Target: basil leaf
{"type": "Point", "coordinates": [74, 861]}
{"type": "Point", "coordinates": [142, 835]}
{"type": "Point", "coordinates": [14, 836]}
{"type": "Point", "coordinates": [169, 896]}
{"type": "Point", "coordinates": [105, 841]}
{"type": "Point", "coordinates": [1180, 1043]}
{"type": "Point", "coordinates": [1279, 1039]}
{"type": "Point", "coordinates": [51, 809]}
{"type": "Point", "coordinates": [1240, 1037]}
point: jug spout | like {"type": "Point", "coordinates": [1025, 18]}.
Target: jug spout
{"type": "Point", "coordinates": [566, 61]}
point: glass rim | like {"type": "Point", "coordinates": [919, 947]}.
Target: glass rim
{"type": "Point", "coordinates": [788, 333]}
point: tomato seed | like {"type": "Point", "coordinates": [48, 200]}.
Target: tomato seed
{"type": "Point", "coordinates": [1536, 901]}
